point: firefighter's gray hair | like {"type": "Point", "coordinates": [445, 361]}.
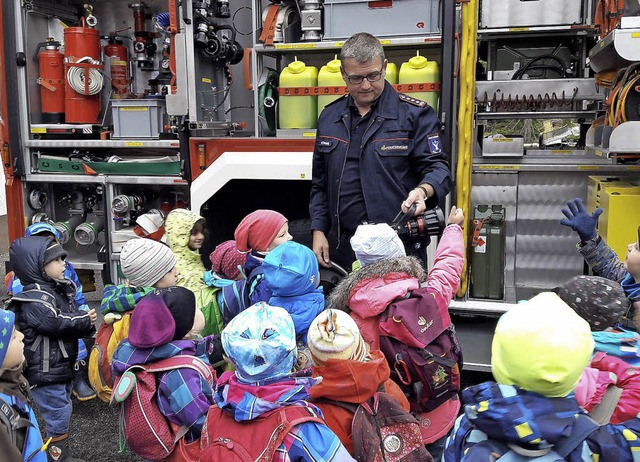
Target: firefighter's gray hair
{"type": "Point", "coordinates": [362, 47]}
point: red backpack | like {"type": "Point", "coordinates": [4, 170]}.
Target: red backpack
{"type": "Point", "coordinates": [146, 430]}
{"type": "Point", "coordinates": [224, 439]}
{"type": "Point", "coordinates": [382, 431]}
{"type": "Point", "coordinates": [419, 342]}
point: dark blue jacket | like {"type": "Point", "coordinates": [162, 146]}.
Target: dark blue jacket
{"type": "Point", "coordinates": [50, 320]}
{"type": "Point", "coordinates": [396, 157]}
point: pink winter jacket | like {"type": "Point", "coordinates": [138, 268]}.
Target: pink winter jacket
{"type": "Point", "coordinates": [373, 287]}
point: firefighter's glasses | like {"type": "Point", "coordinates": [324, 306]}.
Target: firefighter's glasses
{"type": "Point", "coordinates": [358, 79]}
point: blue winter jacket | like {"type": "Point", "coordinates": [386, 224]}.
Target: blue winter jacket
{"type": "Point", "coordinates": [400, 150]}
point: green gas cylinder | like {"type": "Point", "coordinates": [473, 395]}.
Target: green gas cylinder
{"type": "Point", "coordinates": [298, 110]}
{"type": "Point", "coordinates": [420, 70]}
{"type": "Point", "coordinates": [392, 74]}
{"type": "Point", "coordinates": [329, 76]}
{"type": "Point", "coordinates": [487, 252]}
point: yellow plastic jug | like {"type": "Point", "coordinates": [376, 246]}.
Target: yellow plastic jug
{"type": "Point", "coordinates": [298, 111]}
{"type": "Point", "coordinates": [420, 70]}
{"type": "Point", "coordinates": [329, 76]}
{"type": "Point", "coordinates": [392, 73]}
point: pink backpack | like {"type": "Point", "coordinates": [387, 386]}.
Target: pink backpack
{"type": "Point", "coordinates": [146, 430]}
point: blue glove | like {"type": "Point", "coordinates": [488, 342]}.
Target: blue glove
{"type": "Point", "coordinates": [579, 220]}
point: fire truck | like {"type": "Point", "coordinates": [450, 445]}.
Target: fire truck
{"type": "Point", "coordinates": [114, 113]}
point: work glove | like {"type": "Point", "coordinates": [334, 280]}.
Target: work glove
{"type": "Point", "coordinates": [579, 220]}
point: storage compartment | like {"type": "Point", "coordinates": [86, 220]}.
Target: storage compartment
{"type": "Point", "coordinates": [517, 13]}
{"type": "Point", "coordinates": [382, 18]}
{"type": "Point", "coordinates": [137, 118]}
{"type": "Point", "coordinates": [503, 146]}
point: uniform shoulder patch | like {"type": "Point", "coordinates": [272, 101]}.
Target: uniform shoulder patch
{"type": "Point", "coordinates": [412, 100]}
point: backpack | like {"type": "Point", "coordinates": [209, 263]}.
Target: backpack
{"type": "Point", "coordinates": [420, 344]}
{"type": "Point", "coordinates": [17, 423]}
{"type": "Point", "coordinates": [146, 430]}
{"type": "Point", "coordinates": [237, 296]}
{"type": "Point", "coordinates": [383, 431]}
{"type": "Point", "coordinates": [224, 439]}
{"type": "Point", "coordinates": [583, 428]}
{"type": "Point", "coordinates": [108, 338]}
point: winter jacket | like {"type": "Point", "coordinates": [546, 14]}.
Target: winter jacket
{"type": "Point", "coordinates": [178, 226]}
{"type": "Point", "coordinates": [523, 418]}
{"type": "Point", "coordinates": [608, 370]}
{"type": "Point", "coordinates": [14, 389]}
{"type": "Point", "coordinates": [351, 382]}
{"type": "Point", "coordinates": [605, 263]}
{"type": "Point", "coordinates": [308, 441]}
{"type": "Point", "coordinates": [15, 286]}
{"type": "Point", "coordinates": [184, 396]}
{"type": "Point", "coordinates": [368, 291]}
{"type": "Point", "coordinates": [239, 295]}
{"type": "Point", "coordinates": [121, 298]}
{"type": "Point", "coordinates": [400, 150]}
{"type": "Point", "coordinates": [52, 323]}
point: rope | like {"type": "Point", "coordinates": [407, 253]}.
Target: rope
{"type": "Point", "coordinates": [76, 76]}
{"type": "Point", "coordinates": [468, 59]}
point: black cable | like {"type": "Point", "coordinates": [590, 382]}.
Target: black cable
{"type": "Point", "coordinates": [520, 72]}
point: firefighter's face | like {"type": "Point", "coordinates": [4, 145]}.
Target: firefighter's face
{"type": "Point", "coordinates": [365, 81]}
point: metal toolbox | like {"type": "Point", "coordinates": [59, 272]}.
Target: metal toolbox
{"type": "Point", "coordinates": [518, 13]}
{"type": "Point", "coordinates": [382, 18]}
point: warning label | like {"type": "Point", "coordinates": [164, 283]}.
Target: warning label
{"type": "Point", "coordinates": [481, 246]}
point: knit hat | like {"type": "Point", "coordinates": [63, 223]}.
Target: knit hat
{"type": "Point", "coordinates": [162, 316]}
{"type": "Point", "coordinates": [541, 345]}
{"type": "Point", "coordinates": [291, 269]}
{"type": "Point", "coordinates": [601, 302]}
{"type": "Point", "coordinates": [7, 320]}
{"type": "Point", "coordinates": [257, 230]}
{"type": "Point", "coordinates": [54, 250]}
{"type": "Point", "coordinates": [333, 334]}
{"type": "Point", "coordinates": [144, 262]}
{"type": "Point", "coordinates": [226, 260]}
{"type": "Point", "coordinates": [261, 343]}
{"type": "Point", "coordinates": [372, 243]}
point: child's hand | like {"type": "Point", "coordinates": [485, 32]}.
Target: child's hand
{"type": "Point", "coordinates": [456, 217]}
{"type": "Point", "coordinates": [93, 316]}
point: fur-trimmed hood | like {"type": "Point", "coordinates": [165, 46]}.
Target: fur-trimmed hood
{"type": "Point", "coordinates": [339, 297]}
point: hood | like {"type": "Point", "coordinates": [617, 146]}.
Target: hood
{"type": "Point", "coordinates": [350, 381]}
{"type": "Point", "coordinates": [27, 259]}
{"type": "Point", "coordinates": [42, 227]}
{"type": "Point", "coordinates": [493, 408]}
{"type": "Point", "coordinates": [340, 296]}
{"type": "Point", "coordinates": [178, 225]}
{"type": "Point", "coordinates": [126, 355]}
{"type": "Point", "coordinates": [248, 402]}
{"type": "Point", "coordinates": [121, 298]}
{"type": "Point", "coordinates": [303, 310]}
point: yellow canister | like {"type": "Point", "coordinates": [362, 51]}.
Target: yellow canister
{"type": "Point", "coordinates": [329, 76]}
{"type": "Point", "coordinates": [392, 73]}
{"type": "Point", "coordinates": [299, 110]}
{"type": "Point", "coordinates": [420, 70]}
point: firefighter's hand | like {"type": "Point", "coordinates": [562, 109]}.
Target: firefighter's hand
{"type": "Point", "coordinates": [416, 196]}
{"type": "Point", "coordinates": [93, 316]}
{"type": "Point", "coordinates": [456, 217]}
{"type": "Point", "coordinates": [321, 248]}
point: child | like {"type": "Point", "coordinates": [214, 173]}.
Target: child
{"type": "Point", "coordinates": [81, 388]}
{"type": "Point", "coordinates": [257, 234]}
{"type": "Point", "coordinates": [14, 392]}
{"type": "Point", "coordinates": [292, 275]}
{"type": "Point", "coordinates": [51, 324]}
{"type": "Point", "coordinates": [350, 372]}
{"type": "Point", "coordinates": [261, 344]}
{"type": "Point", "coordinates": [602, 260]}
{"type": "Point", "coordinates": [610, 385]}
{"type": "Point", "coordinates": [367, 292]}
{"type": "Point", "coordinates": [227, 262]}
{"type": "Point", "coordinates": [167, 323]}
{"type": "Point", "coordinates": [185, 236]}
{"type": "Point", "coordinates": [539, 350]}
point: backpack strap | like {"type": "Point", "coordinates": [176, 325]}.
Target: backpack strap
{"type": "Point", "coordinates": [179, 362]}
{"type": "Point", "coordinates": [602, 412]}
{"type": "Point", "coordinates": [582, 429]}
{"type": "Point", "coordinates": [37, 296]}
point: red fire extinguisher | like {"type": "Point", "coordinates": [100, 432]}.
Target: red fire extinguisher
{"type": "Point", "coordinates": [118, 57]}
{"type": "Point", "coordinates": [51, 81]}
